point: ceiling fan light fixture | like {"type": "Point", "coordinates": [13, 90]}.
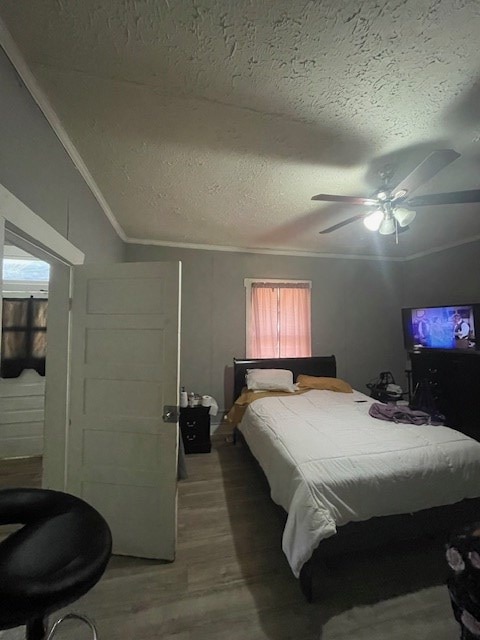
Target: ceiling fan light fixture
{"type": "Point", "coordinates": [387, 227]}
{"type": "Point", "coordinates": [404, 216]}
{"type": "Point", "coordinates": [373, 220]}
{"type": "Point", "coordinates": [390, 200]}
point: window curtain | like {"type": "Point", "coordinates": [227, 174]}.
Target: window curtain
{"type": "Point", "coordinates": [24, 336]}
{"type": "Point", "coordinates": [294, 311]}
{"type": "Point", "coordinates": [263, 323]}
{"type": "Point", "coordinates": [280, 325]}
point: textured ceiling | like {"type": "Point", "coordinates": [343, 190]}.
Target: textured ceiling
{"type": "Point", "coordinates": [214, 122]}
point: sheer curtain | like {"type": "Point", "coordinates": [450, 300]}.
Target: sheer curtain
{"type": "Point", "coordinates": [294, 323]}
{"type": "Point", "coordinates": [263, 322]}
{"type": "Point", "coordinates": [280, 324]}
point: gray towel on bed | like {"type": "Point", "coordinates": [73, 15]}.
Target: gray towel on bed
{"type": "Point", "coordinates": [394, 413]}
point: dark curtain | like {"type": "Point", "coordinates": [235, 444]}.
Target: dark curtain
{"type": "Point", "coordinates": [24, 336]}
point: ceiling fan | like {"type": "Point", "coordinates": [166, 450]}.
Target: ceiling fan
{"type": "Point", "coordinates": [392, 206]}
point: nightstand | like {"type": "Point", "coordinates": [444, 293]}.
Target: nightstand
{"type": "Point", "coordinates": [195, 427]}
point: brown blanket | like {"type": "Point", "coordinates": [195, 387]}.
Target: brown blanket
{"type": "Point", "coordinates": [235, 414]}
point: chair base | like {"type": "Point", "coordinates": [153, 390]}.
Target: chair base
{"type": "Point", "coordinates": [37, 628]}
{"type": "Point", "coordinates": [75, 616]}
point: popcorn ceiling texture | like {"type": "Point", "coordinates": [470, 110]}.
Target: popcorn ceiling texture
{"type": "Point", "coordinates": [214, 122]}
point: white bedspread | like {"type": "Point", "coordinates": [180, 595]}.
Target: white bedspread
{"type": "Point", "coordinates": [328, 463]}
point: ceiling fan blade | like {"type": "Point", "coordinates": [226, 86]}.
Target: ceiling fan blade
{"type": "Point", "coordinates": [453, 197]}
{"type": "Point", "coordinates": [432, 164]}
{"type": "Point", "coordinates": [325, 197]}
{"type": "Point", "coordinates": [342, 224]}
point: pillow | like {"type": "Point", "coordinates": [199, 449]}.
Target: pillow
{"type": "Point", "coordinates": [270, 380]}
{"type": "Point", "coordinates": [326, 384]}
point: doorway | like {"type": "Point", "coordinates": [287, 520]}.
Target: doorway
{"type": "Point", "coordinates": [23, 366]}
{"type": "Point", "coordinates": [111, 428]}
{"type": "Point", "coordinates": [22, 228]}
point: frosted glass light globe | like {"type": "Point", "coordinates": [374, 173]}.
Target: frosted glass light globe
{"type": "Point", "coordinates": [387, 227]}
{"type": "Point", "coordinates": [404, 216]}
{"type": "Point", "coordinates": [373, 220]}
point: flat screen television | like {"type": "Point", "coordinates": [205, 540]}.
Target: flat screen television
{"type": "Point", "coordinates": [449, 327]}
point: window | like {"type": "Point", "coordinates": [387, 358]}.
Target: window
{"type": "Point", "coordinates": [24, 276]}
{"type": "Point", "coordinates": [24, 313]}
{"type": "Point", "coordinates": [24, 336]}
{"type": "Point", "coordinates": [21, 270]}
{"type": "Point", "coordinates": [278, 318]}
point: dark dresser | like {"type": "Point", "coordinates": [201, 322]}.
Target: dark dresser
{"type": "Point", "coordinates": [455, 381]}
{"type": "Point", "coordinates": [195, 427]}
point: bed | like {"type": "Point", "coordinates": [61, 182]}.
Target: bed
{"type": "Point", "coordinates": [348, 481]}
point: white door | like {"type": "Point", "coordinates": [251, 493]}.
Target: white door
{"type": "Point", "coordinates": [121, 454]}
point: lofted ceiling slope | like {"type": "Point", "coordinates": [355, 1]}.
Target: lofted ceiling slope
{"type": "Point", "coordinates": [213, 122]}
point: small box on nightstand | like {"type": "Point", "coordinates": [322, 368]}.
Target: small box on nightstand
{"type": "Point", "coordinates": [195, 428]}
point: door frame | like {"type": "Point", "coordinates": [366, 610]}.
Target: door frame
{"type": "Point", "coordinates": [29, 231]}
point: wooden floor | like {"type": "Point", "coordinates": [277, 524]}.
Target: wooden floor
{"type": "Point", "coordinates": [21, 472]}
{"type": "Point", "coordinates": [230, 580]}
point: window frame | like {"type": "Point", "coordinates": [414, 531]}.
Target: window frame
{"type": "Point", "coordinates": [247, 283]}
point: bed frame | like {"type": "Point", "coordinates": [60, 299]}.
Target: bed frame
{"type": "Point", "coordinates": [376, 532]}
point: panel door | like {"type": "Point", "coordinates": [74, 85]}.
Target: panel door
{"type": "Point", "coordinates": [121, 454]}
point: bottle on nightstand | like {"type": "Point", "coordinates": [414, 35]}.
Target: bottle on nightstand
{"type": "Point", "coordinates": [183, 398]}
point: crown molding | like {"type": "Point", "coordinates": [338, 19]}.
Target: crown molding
{"type": "Point", "coordinates": [441, 248]}
{"type": "Point", "coordinates": [16, 58]}
{"type": "Point", "coordinates": [304, 254]}
{"type": "Point", "coordinates": [270, 252]}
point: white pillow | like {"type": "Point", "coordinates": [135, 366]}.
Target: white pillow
{"type": "Point", "coordinates": [270, 380]}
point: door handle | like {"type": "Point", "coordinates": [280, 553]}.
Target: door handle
{"type": "Point", "coordinates": [170, 413]}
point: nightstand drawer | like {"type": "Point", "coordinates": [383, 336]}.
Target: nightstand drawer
{"type": "Point", "coordinates": [200, 430]}
{"type": "Point", "coordinates": [193, 423]}
{"type": "Point", "coordinates": [195, 443]}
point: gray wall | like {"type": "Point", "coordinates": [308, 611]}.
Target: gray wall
{"type": "Point", "coordinates": [35, 167]}
{"type": "Point", "coordinates": [355, 312]}
{"type": "Point", "coordinates": [447, 277]}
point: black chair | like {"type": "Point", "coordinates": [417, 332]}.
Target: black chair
{"type": "Point", "coordinates": [56, 557]}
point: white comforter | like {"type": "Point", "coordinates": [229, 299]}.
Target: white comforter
{"type": "Point", "coordinates": [328, 463]}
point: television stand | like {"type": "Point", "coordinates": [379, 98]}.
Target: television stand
{"type": "Point", "coordinates": [455, 379]}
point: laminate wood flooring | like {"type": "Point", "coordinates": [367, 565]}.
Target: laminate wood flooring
{"type": "Point", "coordinates": [231, 581]}
{"type": "Point", "coordinates": [21, 472]}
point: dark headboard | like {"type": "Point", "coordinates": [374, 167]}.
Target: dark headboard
{"type": "Point", "coordinates": [314, 366]}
